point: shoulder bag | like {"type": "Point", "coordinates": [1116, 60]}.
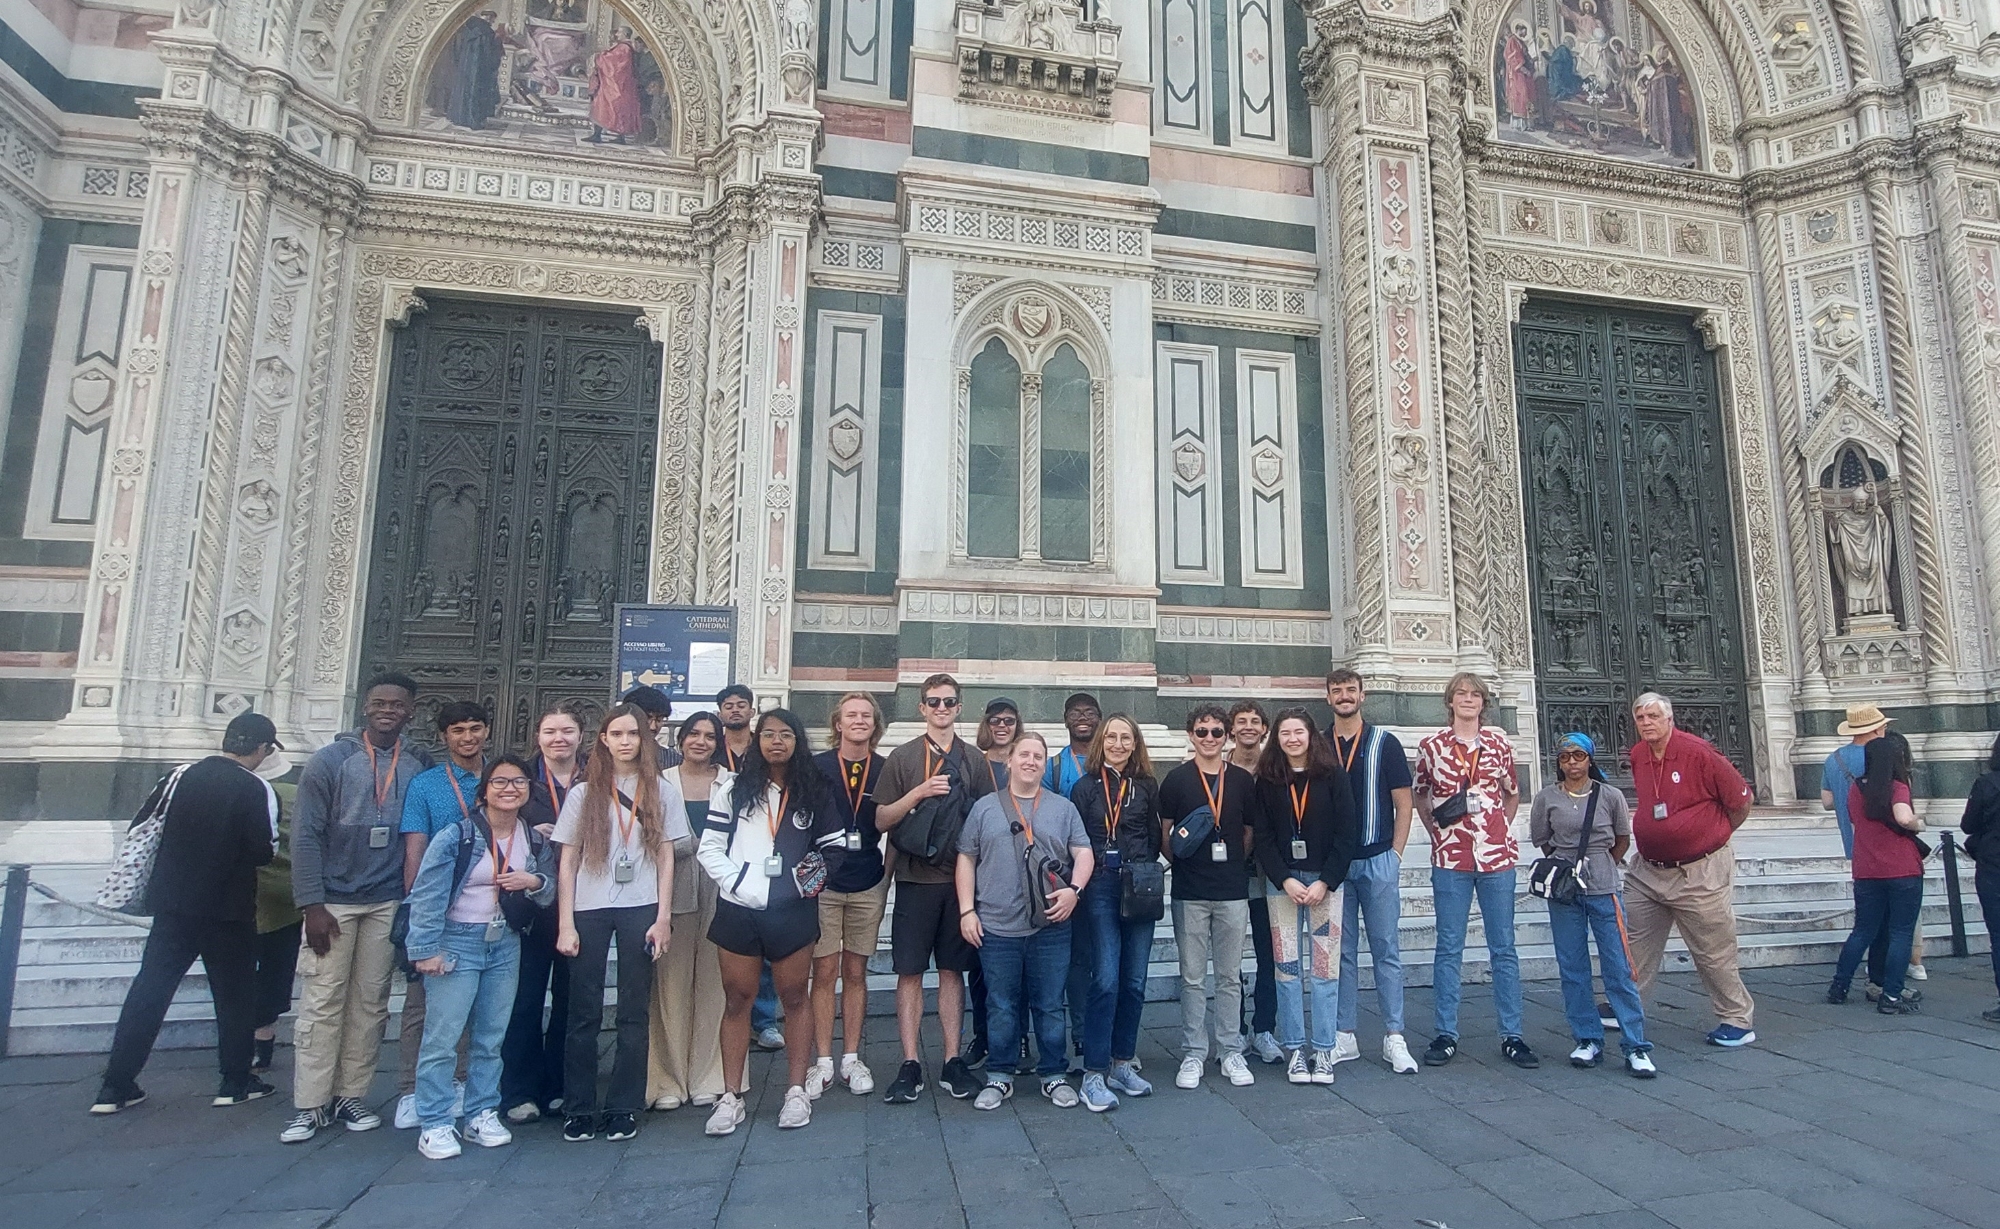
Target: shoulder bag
{"type": "Point", "coordinates": [1142, 891]}
{"type": "Point", "coordinates": [929, 833]}
{"type": "Point", "coordinates": [1559, 879]}
{"type": "Point", "coordinates": [132, 867]}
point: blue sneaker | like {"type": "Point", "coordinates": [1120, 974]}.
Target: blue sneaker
{"type": "Point", "coordinates": [1125, 1078]}
{"type": "Point", "coordinates": [1096, 1097]}
{"type": "Point", "coordinates": [1731, 1036]}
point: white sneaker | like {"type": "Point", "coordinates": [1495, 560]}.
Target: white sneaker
{"type": "Point", "coordinates": [1587, 1054]}
{"type": "Point", "coordinates": [487, 1131]}
{"type": "Point", "coordinates": [1395, 1053]}
{"type": "Point", "coordinates": [1916, 973]}
{"type": "Point", "coordinates": [798, 1110]}
{"type": "Point", "coordinates": [665, 1101]}
{"type": "Point", "coordinates": [855, 1074]}
{"type": "Point", "coordinates": [526, 1111]}
{"type": "Point", "coordinates": [1237, 1070]}
{"type": "Point", "coordinates": [728, 1115]}
{"type": "Point", "coordinates": [818, 1076]}
{"type": "Point", "coordinates": [438, 1143]}
{"type": "Point", "coordinates": [1267, 1048]}
{"type": "Point", "coordinates": [1190, 1073]}
{"type": "Point", "coordinates": [406, 1113]}
{"type": "Point", "coordinates": [1640, 1064]}
{"type": "Point", "coordinates": [1295, 1071]}
{"type": "Point", "coordinates": [1347, 1047]}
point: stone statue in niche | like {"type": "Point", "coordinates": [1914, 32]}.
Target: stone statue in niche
{"type": "Point", "coordinates": [1858, 526]}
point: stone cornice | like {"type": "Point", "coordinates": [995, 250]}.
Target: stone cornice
{"type": "Point", "coordinates": [202, 137]}
{"type": "Point", "coordinates": [1545, 166]}
{"type": "Point", "coordinates": [483, 226]}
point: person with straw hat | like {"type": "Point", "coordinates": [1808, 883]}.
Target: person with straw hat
{"type": "Point", "coordinates": [1843, 769]}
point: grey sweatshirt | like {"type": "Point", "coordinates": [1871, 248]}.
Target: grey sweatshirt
{"type": "Point", "coordinates": [332, 861]}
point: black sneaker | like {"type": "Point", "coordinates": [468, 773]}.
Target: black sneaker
{"type": "Point", "coordinates": [908, 1083]}
{"type": "Point", "coordinates": [958, 1080]}
{"type": "Point", "coordinates": [110, 1100]}
{"type": "Point", "coordinates": [975, 1054]}
{"type": "Point", "coordinates": [1837, 992]}
{"type": "Point", "coordinates": [305, 1125]}
{"type": "Point", "coordinates": [1607, 1017]}
{"type": "Point", "coordinates": [620, 1126]}
{"type": "Point", "coordinates": [1991, 1017]}
{"type": "Point", "coordinates": [579, 1127]}
{"type": "Point", "coordinates": [265, 1050]}
{"type": "Point", "coordinates": [252, 1090]}
{"type": "Point", "coordinates": [1516, 1051]}
{"type": "Point", "coordinates": [1441, 1050]}
{"type": "Point", "coordinates": [1906, 1004]}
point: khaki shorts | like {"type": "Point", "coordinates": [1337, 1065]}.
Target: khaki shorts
{"type": "Point", "coordinates": [851, 921]}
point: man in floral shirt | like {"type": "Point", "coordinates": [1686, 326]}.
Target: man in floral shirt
{"type": "Point", "coordinates": [1466, 792]}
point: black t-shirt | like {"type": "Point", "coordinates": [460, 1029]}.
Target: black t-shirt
{"type": "Point", "coordinates": [855, 870]}
{"type": "Point", "coordinates": [1201, 877]}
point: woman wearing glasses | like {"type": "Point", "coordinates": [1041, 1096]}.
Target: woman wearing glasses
{"type": "Point", "coordinates": [1118, 801]}
{"type": "Point", "coordinates": [1204, 808]}
{"type": "Point", "coordinates": [770, 830]}
{"type": "Point", "coordinates": [684, 1059]}
{"type": "Point", "coordinates": [465, 940]}
{"type": "Point", "coordinates": [617, 833]}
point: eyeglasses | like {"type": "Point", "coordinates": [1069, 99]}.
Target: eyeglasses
{"type": "Point", "coordinates": [1211, 731]}
{"type": "Point", "coordinates": [1573, 755]}
{"type": "Point", "coordinates": [941, 702]}
{"type": "Point", "coordinates": [507, 783]}
{"type": "Point", "coordinates": [1006, 721]}
{"type": "Point", "coordinates": [779, 734]}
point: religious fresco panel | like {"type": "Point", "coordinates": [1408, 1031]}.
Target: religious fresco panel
{"type": "Point", "coordinates": [568, 74]}
{"type": "Point", "coordinates": [1594, 76]}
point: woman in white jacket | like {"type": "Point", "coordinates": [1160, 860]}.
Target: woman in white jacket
{"type": "Point", "coordinates": [768, 836]}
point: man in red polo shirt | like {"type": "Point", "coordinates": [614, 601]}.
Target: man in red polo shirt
{"type": "Point", "coordinates": [1691, 801]}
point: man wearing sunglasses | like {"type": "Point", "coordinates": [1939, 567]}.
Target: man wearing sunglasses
{"type": "Point", "coordinates": [1210, 892]}
{"type": "Point", "coordinates": [924, 924]}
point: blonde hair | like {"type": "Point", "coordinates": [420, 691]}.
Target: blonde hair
{"type": "Point", "coordinates": [874, 710]}
{"type": "Point", "coordinates": [1466, 680]}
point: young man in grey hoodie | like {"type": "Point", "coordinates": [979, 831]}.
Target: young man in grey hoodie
{"type": "Point", "coordinates": [347, 877]}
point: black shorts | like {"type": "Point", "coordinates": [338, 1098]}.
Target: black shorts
{"type": "Point", "coordinates": [767, 934]}
{"type": "Point", "coordinates": [923, 925]}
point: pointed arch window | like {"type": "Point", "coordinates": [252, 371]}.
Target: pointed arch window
{"type": "Point", "coordinates": [1033, 451]}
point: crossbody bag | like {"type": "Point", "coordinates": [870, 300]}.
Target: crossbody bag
{"type": "Point", "coordinates": [1559, 879]}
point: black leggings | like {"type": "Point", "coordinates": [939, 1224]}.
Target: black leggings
{"type": "Point", "coordinates": [594, 930]}
{"type": "Point", "coordinates": [277, 962]}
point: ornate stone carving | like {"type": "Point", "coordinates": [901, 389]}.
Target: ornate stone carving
{"type": "Point", "coordinates": [1036, 55]}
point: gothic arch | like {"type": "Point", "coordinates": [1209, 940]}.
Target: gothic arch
{"type": "Point", "coordinates": [995, 312]}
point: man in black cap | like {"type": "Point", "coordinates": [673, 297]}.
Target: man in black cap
{"type": "Point", "coordinates": [1081, 713]}
{"type": "Point", "coordinates": [220, 825]}
{"type": "Point", "coordinates": [653, 702]}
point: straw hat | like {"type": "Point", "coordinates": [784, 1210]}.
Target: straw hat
{"type": "Point", "coordinates": [1861, 719]}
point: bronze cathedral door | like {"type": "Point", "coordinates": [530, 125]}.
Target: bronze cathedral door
{"type": "Point", "coordinates": [515, 506]}
{"type": "Point", "coordinates": [1631, 557]}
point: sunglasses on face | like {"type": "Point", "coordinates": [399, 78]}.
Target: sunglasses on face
{"type": "Point", "coordinates": [1211, 731]}
{"type": "Point", "coordinates": [1006, 721]}
{"type": "Point", "coordinates": [941, 702]}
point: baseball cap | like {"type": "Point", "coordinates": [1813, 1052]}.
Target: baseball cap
{"type": "Point", "coordinates": [1002, 704]}
{"type": "Point", "coordinates": [249, 731]}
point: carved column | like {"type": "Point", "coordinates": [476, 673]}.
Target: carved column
{"type": "Point", "coordinates": [1387, 90]}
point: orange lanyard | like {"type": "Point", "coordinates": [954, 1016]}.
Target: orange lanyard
{"type": "Point", "coordinates": [451, 775]}
{"type": "Point", "coordinates": [1114, 809]}
{"type": "Point", "coordinates": [777, 817]}
{"type": "Point", "coordinates": [382, 787]}
{"type": "Point", "coordinates": [1034, 804]}
{"type": "Point", "coordinates": [855, 772]}
{"type": "Point", "coordinates": [730, 760]}
{"type": "Point", "coordinates": [548, 778]}
{"type": "Point", "coordinates": [1469, 766]}
{"type": "Point", "coordinates": [943, 757]}
{"type": "Point", "coordinates": [1215, 798]}
{"type": "Point", "coordinates": [502, 863]}
{"type": "Point", "coordinates": [626, 820]}
{"type": "Point", "coordinates": [1299, 799]}
{"type": "Point", "coordinates": [1347, 760]}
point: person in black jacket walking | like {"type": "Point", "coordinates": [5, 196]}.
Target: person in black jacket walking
{"type": "Point", "coordinates": [1307, 829]}
{"type": "Point", "coordinates": [1982, 840]}
{"type": "Point", "coordinates": [221, 824]}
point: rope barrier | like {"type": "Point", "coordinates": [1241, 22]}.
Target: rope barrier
{"type": "Point", "coordinates": [112, 915]}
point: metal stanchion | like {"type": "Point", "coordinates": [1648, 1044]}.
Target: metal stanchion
{"type": "Point", "coordinates": [1953, 894]}
{"type": "Point", "coordinates": [12, 917]}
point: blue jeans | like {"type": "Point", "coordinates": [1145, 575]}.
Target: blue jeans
{"type": "Point", "coordinates": [1571, 928]}
{"type": "Point", "coordinates": [1305, 947]}
{"type": "Point", "coordinates": [1373, 895]}
{"type": "Point", "coordinates": [764, 1008]}
{"type": "Point", "coordinates": [1026, 975]}
{"type": "Point", "coordinates": [1118, 952]}
{"type": "Point", "coordinates": [478, 992]}
{"type": "Point", "coordinates": [1883, 906]}
{"type": "Point", "coordinates": [1451, 895]}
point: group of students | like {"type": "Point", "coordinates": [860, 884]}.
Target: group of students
{"type": "Point", "coordinates": [1030, 882]}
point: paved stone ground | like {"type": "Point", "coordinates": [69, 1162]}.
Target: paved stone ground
{"type": "Point", "coordinates": [1838, 1116]}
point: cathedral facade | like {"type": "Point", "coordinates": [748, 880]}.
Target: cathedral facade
{"type": "Point", "coordinates": [1166, 349]}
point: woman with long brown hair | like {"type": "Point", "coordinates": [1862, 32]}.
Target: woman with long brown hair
{"type": "Point", "coordinates": [685, 1062]}
{"type": "Point", "coordinates": [617, 878]}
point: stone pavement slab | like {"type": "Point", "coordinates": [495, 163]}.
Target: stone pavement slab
{"type": "Point", "coordinates": [1838, 1118]}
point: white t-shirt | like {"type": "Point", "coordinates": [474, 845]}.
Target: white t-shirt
{"type": "Point", "coordinates": [597, 887]}
{"type": "Point", "coordinates": [479, 896]}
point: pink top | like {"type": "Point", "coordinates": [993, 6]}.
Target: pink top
{"type": "Point", "coordinates": [479, 899]}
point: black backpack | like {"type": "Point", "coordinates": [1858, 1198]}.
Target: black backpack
{"type": "Point", "coordinates": [929, 833]}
